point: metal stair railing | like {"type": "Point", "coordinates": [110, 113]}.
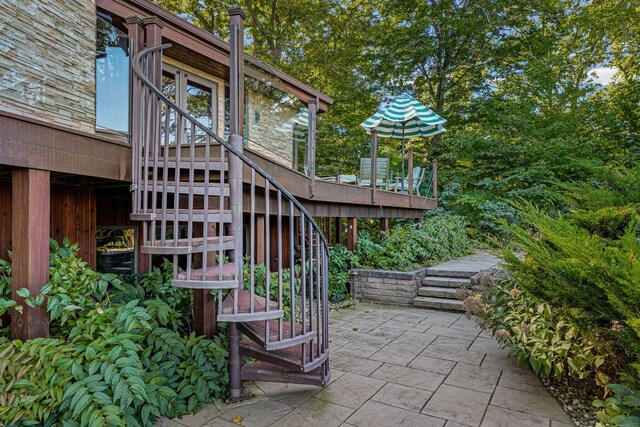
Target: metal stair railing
{"type": "Point", "coordinates": [172, 161]}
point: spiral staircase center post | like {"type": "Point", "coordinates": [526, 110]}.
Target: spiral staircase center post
{"type": "Point", "coordinates": [236, 111]}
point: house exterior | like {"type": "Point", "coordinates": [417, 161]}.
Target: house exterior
{"type": "Point", "coordinates": [90, 152]}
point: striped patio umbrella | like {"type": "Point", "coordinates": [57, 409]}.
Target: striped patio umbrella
{"type": "Point", "coordinates": [404, 117]}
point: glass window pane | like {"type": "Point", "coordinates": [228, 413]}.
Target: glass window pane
{"type": "Point", "coordinates": [199, 105]}
{"type": "Point", "coordinates": [112, 78]}
{"type": "Point", "coordinates": [168, 90]}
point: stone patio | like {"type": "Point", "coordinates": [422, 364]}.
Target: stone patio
{"type": "Point", "coordinates": [401, 366]}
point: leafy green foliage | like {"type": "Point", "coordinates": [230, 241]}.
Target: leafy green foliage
{"type": "Point", "coordinates": [120, 353]}
{"type": "Point", "coordinates": [622, 409]}
{"type": "Point", "coordinates": [338, 278]}
{"type": "Point", "coordinates": [404, 247]}
{"type": "Point", "coordinates": [339, 259]}
{"type": "Point", "coordinates": [6, 303]}
{"type": "Point", "coordinates": [547, 342]}
{"type": "Point", "coordinates": [592, 279]}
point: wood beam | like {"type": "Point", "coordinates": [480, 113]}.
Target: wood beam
{"type": "Point", "coordinates": [352, 234]}
{"type": "Point", "coordinates": [31, 229]}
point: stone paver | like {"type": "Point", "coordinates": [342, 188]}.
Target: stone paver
{"type": "Point", "coordinates": [378, 414]}
{"type": "Point", "coordinates": [470, 263]}
{"type": "Point", "coordinates": [400, 366]}
{"type": "Point", "coordinates": [458, 404]}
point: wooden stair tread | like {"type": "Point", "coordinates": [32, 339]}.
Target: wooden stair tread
{"type": "Point", "coordinates": [264, 371]}
{"type": "Point", "coordinates": [196, 187]}
{"type": "Point", "coordinates": [195, 241]}
{"type": "Point", "coordinates": [215, 163]}
{"type": "Point", "coordinates": [289, 357]}
{"type": "Point", "coordinates": [212, 273]}
{"type": "Point", "coordinates": [198, 215]}
{"type": "Point", "coordinates": [244, 302]}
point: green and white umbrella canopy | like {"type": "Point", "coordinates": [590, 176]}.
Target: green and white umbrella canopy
{"type": "Point", "coordinates": [405, 117]}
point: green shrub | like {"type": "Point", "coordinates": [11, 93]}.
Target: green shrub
{"type": "Point", "coordinates": [407, 247]}
{"type": "Point", "coordinates": [338, 278]}
{"type": "Point", "coordinates": [622, 409]}
{"type": "Point", "coordinates": [610, 222]}
{"type": "Point", "coordinates": [339, 259]}
{"type": "Point", "coordinates": [535, 335]}
{"type": "Point", "coordinates": [6, 303]}
{"type": "Point", "coordinates": [120, 353]}
{"type": "Point", "coordinates": [592, 279]}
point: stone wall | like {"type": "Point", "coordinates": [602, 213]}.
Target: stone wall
{"type": "Point", "coordinates": [272, 134]}
{"type": "Point", "coordinates": [387, 287]}
{"type": "Point", "coordinates": [47, 56]}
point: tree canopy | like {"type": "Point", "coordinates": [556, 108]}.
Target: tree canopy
{"type": "Point", "coordinates": [518, 81]}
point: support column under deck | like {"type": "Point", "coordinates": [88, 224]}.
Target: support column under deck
{"type": "Point", "coordinates": [31, 203]}
{"type": "Point", "coordinates": [352, 234]}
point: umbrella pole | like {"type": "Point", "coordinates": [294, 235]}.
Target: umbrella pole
{"type": "Point", "coordinates": [402, 176]}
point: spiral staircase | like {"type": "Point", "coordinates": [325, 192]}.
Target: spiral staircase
{"type": "Point", "coordinates": [189, 190]}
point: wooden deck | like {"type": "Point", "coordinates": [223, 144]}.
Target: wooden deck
{"type": "Point", "coordinates": [39, 145]}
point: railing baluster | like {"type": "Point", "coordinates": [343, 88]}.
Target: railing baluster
{"type": "Point", "coordinates": [192, 155]}
{"type": "Point", "coordinates": [165, 179]}
{"type": "Point", "coordinates": [292, 270]}
{"type": "Point", "coordinates": [220, 210]}
{"type": "Point", "coordinates": [319, 266]}
{"type": "Point", "coordinates": [205, 207]}
{"type": "Point", "coordinates": [279, 222]}
{"type": "Point", "coordinates": [310, 286]}
{"type": "Point", "coordinates": [252, 238]}
{"type": "Point", "coordinates": [267, 257]}
{"type": "Point", "coordinates": [176, 178]}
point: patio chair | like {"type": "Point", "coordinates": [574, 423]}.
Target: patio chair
{"type": "Point", "coordinates": [418, 177]}
{"type": "Point", "coordinates": [382, 172]}
{"type": "Point", "coordinates": [348, 179]}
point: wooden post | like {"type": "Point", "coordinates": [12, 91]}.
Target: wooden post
{"type": "Point", "coordinates": [384, 224]}
{"type": "Point", "coordinates": [352, 234]}
{"type": "Point", "coordinates": [31, 202]}
{"type": "Point", "coordinates": [204, 304]}
{"type": "Point", "coordinates": [410, 171]}
{"type": "Point", "coordinates": [154, 38]}
{"type": "Point", "coordinates": [311, 145]}
{"type": "Point", "coordinates": [435, 180]}
{"type": "Point", "coordinates": [236, 123]}
{"type": "Point", "coordinates": [338, 231]}
{"type": "Point", "coordinates": [374, 165]}
{"type": "Point", "coordinates": [327, 226]}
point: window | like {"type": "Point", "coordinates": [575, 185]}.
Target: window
{"type": "Point", "coordinates": [112, 77]}
{"type": "Point", "coordinates": [195, 95]}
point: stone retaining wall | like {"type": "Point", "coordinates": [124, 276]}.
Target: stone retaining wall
{"type": "Point", "coordinates": [387, 287]}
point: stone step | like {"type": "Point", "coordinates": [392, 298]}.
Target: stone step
{"type": "Point", "coordinates": [432, 291]}
{"type": "Point", "coordinates": [446, 282]}
{"type": "Point", "coordinates": [438, 303]}
{"type": "Point", "coordinates": [435, 271]}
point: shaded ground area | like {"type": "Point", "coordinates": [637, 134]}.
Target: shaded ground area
{"type": "Point", "coordinates": [401, 366]}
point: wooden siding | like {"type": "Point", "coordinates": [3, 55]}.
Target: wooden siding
{"type": "Point", "coordinates": [73, 215]}
{"type": "Point", "coordinates": [47, 55]}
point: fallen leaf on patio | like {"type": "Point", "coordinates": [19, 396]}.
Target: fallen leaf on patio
{"type": "Point", "coordinates": [355, 329]}
{"type": "Point", "coordinates": [237, 419]}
